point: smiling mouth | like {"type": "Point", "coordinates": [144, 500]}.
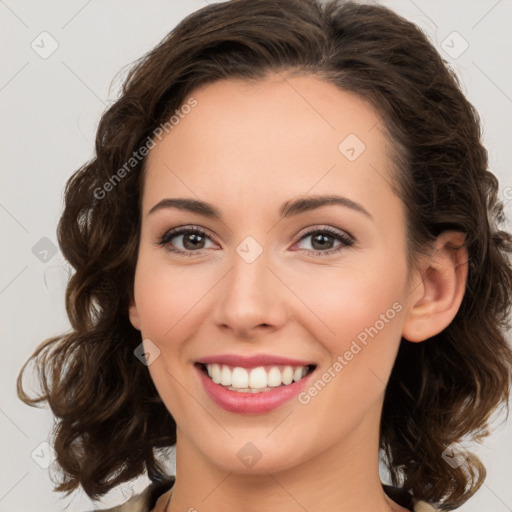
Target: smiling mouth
{"type": "Point", "coordinates": [254, 380]}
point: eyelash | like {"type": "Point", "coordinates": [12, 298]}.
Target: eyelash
{"type": "Point", "coordinates": [347, 241]}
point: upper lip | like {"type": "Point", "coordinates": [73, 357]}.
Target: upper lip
{"type": "Point", "coordinates": [253, 361]}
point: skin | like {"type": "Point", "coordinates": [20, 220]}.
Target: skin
{"type": "Point", "coordinates": [247, 149]}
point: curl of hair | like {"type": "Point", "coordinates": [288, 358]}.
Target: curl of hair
{"type": "Point", "coordinates": [111, 418]}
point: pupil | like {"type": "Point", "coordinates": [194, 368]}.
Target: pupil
{"type": "Point", "coordinates": [192, 237]}
{"type": "Point", "coordinates": [321, 238]}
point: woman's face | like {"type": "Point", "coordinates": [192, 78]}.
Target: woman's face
{"type": "Point", "coordinates": [274, 275]}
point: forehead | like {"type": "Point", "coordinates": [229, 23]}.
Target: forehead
{"type": "Point", "coordinates": [284, 135]}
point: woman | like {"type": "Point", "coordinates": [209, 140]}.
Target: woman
{"type": "Point", "coordinates": [288, 262]}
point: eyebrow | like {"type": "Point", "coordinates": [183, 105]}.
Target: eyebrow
{"type": "Point", "coordinates": [288, 209]}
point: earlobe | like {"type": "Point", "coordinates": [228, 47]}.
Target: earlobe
{"type": "Point", "coordinates": [134, 314]}
{"type": "Point", "coordinates": [440, 290]}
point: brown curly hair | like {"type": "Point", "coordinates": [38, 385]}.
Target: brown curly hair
{"type": "Point", "coordinates": [112, 424]}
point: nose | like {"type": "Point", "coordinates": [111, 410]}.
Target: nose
{"type": "Point", "coordinates": [250, 299]}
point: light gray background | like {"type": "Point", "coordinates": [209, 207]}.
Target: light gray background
{"type": "Point", "coordinates": [50, 108]}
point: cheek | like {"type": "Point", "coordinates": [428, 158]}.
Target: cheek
{"type": "Point", "coordinates": [167, 298]}
{"type": "Point", "coordinates": [362, 310]}
{"type": "Point", "coordinates": [350, 301]}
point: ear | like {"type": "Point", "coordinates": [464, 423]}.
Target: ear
{"type": "Point", "coordinates": [438, 291]}
{"type": "Point", "coordinates": [134, 314]}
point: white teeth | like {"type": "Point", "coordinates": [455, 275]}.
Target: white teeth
{"type": "Point", "coordinates": [298, 374]}
{"type": "Point", "coordinates": [255, 379]}
{"type": "Point", "coordinates": [214, 373]}
{"type": "Point", "coordinates": [225, 376]}
{"type": "Point", "coordinates": [287, 375]}
{"type": "Point", "coordinates": [274, 378]}
{"type": "Point", "coordinates": [239, 378]}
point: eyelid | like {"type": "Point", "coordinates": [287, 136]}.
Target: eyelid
{"type": "Point", "coordinates": [181, 230]}
{"type": "Point", "coordinates": [347, 239]}
{"type": "Point", "coordinates": [311, 230]}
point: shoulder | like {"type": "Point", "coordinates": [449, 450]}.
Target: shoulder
{"type": "Point", "coordinates": [137, 503]}
{"type": "Point", "coordinates": [423, 506]}
{"type": "Point", "coordinates": [405, 499]}
{"type": "Point", "coordinates": [145, 500]}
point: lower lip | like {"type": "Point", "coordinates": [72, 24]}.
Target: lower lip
{"type": "Point", "coordinates": [251, 403]}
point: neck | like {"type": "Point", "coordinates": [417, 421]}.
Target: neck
{"type": "Point", "coordinates": [343, 478]}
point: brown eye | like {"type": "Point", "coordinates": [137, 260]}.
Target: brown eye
{"type": "Point", "coordinates": [185, 240]}
{"type": "Point", "coordinates": [323, 241]}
